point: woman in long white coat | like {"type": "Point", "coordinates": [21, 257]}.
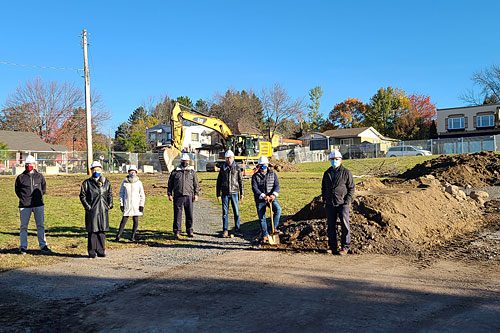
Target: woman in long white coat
{"type": "Point", "coordinates": [132, 200]}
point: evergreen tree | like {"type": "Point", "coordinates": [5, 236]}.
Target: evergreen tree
{"type": "Point", "coordinates": [315, 119]}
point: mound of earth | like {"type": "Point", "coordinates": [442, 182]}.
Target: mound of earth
{"type": "Point", "coordinates": [478, 169]}
{"type": "Point", "coordinates": [389, 220]}
{"type": "Point", "coordinates": [282, 165]}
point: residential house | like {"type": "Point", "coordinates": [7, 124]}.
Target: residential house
{"type": "Point", "coordinates": [352, 142]}
{"type": "Point", "coordinates": [480, 120]}
{"type": "Point", "coordinates": [21, 144]}
{"type": "Point", "coordinates": [194, 136]}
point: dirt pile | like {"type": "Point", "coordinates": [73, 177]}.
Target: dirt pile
{"type": "Point", "coordinates": [478, 169]}
{"type": "Point", "coordinates": [389, 219]}
{"type": "Point", "coordinates": [282, 165]}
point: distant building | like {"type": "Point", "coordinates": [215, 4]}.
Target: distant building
{"type": "Point", "coordinates": [352, 142]}
{"type": "Point", "coordinates": [469, 121]}
{"type": "Point", "coordinates": [194, 136]}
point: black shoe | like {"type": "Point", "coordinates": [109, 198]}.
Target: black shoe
{"type": "Point", "coordinates": [92, 256]}
{"type": "Point", "coordinates": [133, 239]}
{"type": "Point", "coordinates": [22, 250]}
{"type": "Point", "coordinates": [102, 255]}
{"type": "Point", "coordinates": [237, 233]}
{"type": "Point", "coordinates": [46, 249]}
{"type": "Point", "coordinates": [225, 234]}
{"type": "Point", "coordinates": [191, 234]}
{"type": "Point", "coordinates": [117, 239]}
{"type": "Point", "coordinates": [177, 236]}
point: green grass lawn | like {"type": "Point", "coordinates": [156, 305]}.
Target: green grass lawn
{"type": "Point", "coordinates": [64, 215]}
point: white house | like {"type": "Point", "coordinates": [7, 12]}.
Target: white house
{"type": "Point", "coordinates": [194, 136]}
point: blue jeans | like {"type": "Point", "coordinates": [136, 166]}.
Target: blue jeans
{"type": "Point", "coordinates": [235, 203]}
{"type": "Point", "coordinates": [261, 212]}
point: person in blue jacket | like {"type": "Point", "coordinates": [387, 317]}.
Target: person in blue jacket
{"type": "Point", "coordinates": [266, 188]}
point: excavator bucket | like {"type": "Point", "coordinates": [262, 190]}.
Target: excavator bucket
{"type": "Point", "coordinates": [167, 159]}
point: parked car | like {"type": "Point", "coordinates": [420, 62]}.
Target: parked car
{"type": "Point", "coordinates": [397, 151]}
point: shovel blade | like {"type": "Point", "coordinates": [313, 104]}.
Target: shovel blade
{"type": "Point", "coordinates": [274, 239]}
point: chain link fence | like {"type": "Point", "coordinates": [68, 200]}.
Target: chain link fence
{"type": "Point", "coordinates": [408, 148]}
{"type": "Point", "coordinates": [11, 162]}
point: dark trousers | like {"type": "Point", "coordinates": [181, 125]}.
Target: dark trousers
{"type": "Point", "coordinates": [183, 202]}
{"type": "Point", "coordinates": [332, 213]}
{"type": "Point", "coordinates": [96, 243]}
{"type": "Point", "coordinates": [135, 219]}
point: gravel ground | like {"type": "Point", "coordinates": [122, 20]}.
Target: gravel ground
{"type": "Point", "coordinates": [86, 279]}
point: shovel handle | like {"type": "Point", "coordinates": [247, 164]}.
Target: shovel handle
{"type": "Point", "coordinates": [272, 223]}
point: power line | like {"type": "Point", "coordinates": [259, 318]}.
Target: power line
{"type": "Point", "coordinates": [44, 67]}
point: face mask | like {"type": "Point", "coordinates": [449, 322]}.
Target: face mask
{"type": "Point", "coordinates": [131, 175]}
{"type": "Point", "coordinates": [264, 167]}
{"type": "Point", "coordinates": [184, 164]}
{"type": "Point", "coordinates": [335, 163]}
{"type": "Point", "coordinates": [96, 174]}
{"type": "Point", "coordinates": [29, 168]}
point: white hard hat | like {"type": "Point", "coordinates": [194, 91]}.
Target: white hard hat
{"type": "Point", "coordinates": [335, 154]}
{"type": "Point", "coordinates": [185, 157]}
{"type": "Point", "coordinates": [229, 154]}
{"type": "Point", "coordinates": [132, 168]}
{"type": "Point", "coordinates": [263, 160]}
{"type": "Point", "coordinates": [95, 164]}
{"type": "Point", "coordinates": [29, 159]}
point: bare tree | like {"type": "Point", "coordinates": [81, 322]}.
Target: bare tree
{"type": "Point", "coordinates": [488, 80]}
{"type": "Point", "coordinates": [278, 107]}
{"type": "Point", "coordinates": [160, 108]}
{"type": "Point", "coordinates": [52, 110]}
{"type": "Point", "coordinates": [239, 110]}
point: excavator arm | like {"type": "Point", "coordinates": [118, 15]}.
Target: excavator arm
{"type": "Point", "coordinates": [181, 113]}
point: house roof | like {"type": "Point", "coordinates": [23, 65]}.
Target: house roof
{"type": "Point", "coordinates": [59, 148]}
{"type": "Point", "coordinates": [16, 140]}
{"type": "Point", "coordinates": [347, 132]}
{"type": "Point", "coordinates": [470, 107]}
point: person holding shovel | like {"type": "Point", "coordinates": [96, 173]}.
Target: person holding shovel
{"type": "Point", "coordinates": [266, 187]}
{"type": "Point", "coordinates": [230, 188]}
{"type": "Point", "coordinates": [132, 200]}
{"type": "Point", "coordinates": [337, 191]}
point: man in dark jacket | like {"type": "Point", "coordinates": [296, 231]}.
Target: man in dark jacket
{"type": "Point", "coordinates": [183, 189]}
{"type": "Point", "coordinates": [30, 187]}
{"type": "Point", "coordinates": [266, 187]}
{"type": "Point", "coordinates": [337, 190]}
{"type": "Point", "coordinates": [229, 188]}
{"type": "Point", "coordinates": [97, 199]}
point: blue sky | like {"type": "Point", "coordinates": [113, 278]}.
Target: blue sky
{"type": "Point", "coordinates": [146, 49]}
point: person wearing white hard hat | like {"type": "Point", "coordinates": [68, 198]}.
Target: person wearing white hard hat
{"type": "Point", "coordinates": [266, 187]}
{"type": "Point", "coordinates": [230, 188]}
{"type": "Point", "coordinates": [183, 189]}
{"type": "Point", "coordinates": [30, 187]}
{"type": "Point", "coordinates": [132, 199]}
{"type": "Point", "coordinates": [97, 199]}
{"type": "Point", "coordinates": [337, 191]}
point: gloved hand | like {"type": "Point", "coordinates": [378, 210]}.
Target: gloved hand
{"type": "Point", "coordinates": [122, 208]}
{"type": "Point", "coordinates": [141, 209]}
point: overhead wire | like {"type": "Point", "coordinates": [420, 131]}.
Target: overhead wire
{"type": "Point", "coordinates": [43, 67]}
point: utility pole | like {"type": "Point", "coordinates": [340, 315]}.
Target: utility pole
{"type": "Point", "coordinates": [90, 154]}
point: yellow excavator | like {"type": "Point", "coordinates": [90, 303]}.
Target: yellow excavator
{"type": "Point", "coordinates": [247, 148]}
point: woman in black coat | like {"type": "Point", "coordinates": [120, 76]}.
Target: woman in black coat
{"type": "Point", "coordinates": [97, 199]}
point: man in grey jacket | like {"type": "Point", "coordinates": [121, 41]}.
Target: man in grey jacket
{"type": "Point", "coordinates": [183, 189]}
{"type": "Point", "coordinates": [337, 191]}
{"type": "Point", "coordinates": [230, 188]}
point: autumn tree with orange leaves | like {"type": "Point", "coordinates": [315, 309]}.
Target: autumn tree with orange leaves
{"type": "Point", "coordinates": [348, 113]}
{"type": "Point", "coordinates": [416, 122]}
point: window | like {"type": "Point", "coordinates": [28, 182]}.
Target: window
{"type": "Point", "coordinates": [456, 123]}
{"type": "Point", "coordinates": [485, 121]}
{"type": "Point", "coordinates": [410, 148]}
{"type": "Point", "coordinates": [195, 137]}
{"type": "Point", "coordinates": [395, 149]}
{"type": "Point", "coordinates": [346, 141]}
